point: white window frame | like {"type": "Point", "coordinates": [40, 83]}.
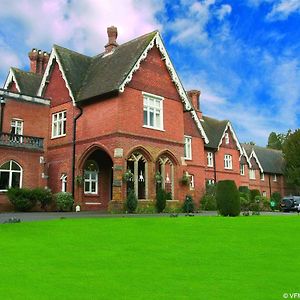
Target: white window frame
{"type": "Point", "coordinates": [228, 162]}
{"type": "Point", "coordinates": [64, 180]}
{"type": "Point", "coordinates": [242, 169]}
{"type": "Point", "coordinates": [275, 177]}
{"type": "Point", "coordinates": [59, 124]}
{"type": "Point", "coordinates": [10, 173]}
{"type": "Point", "coordinates": [262, 176]}
{"type": "Point", "coordinates": [252, 174]}
{"type": "Point", "coordinates": [16, 128]}
{"type": "Point", "coordinates": [210, 181]}
{"type": "Point", "coordinates": [226, 138]}
{"type": "Point", "coordinates": [155, 108]}
{"type": "Point", "coordinates": [187, 147]}
{"type": "Point", "coordinates": [210, 159]}
{"type": "Point", "coordinates": [90, 180]}
{"type": "Point", "coordinates": [264, 194]}
{"type": "Point", "coordinates": [192, 181]}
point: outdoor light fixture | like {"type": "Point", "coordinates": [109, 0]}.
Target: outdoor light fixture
{"type": "Point", "coordinates": [141, 177]}
{"type": "Point", "coordinates": [167, 178]}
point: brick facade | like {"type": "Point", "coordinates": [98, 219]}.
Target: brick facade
{"type": "Point", "coordinates": [111, 133]}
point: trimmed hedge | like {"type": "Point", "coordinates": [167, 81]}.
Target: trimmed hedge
{"type": "Point", "coordinates": [228, 198]}
{"type": "Point", "coordinates": [64, 201]}
{"type": "Point", "coordinates": [21, 199]}
{"type": "Point", "coordinates": [43, 196]}
{"type": "Point", "coordinates": [131, 201]}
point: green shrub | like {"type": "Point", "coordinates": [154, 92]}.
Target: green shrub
{"type": "Point", "coordinates": [245, 203]}
{"type": "Point", "coordinates": [43, 196]}
{"type": "Point", "coordinates": [131, 201]}
{"type": "Point", "coordinates": [228, 199]}
{"type": "Point", "coordinates": [253, 194]}
{"type": "Point", "coordinates": [208, 202]}
{"type": "Point", "coordinates": [188, 205]}
{"type": "Point", "coordinates": [64, 201]}
{"type": "Point", "coordinates": [148, 209]}
{"type": "Point", "coordinates": [264, 203]}
{"type": "Point", "coordinates": [244, 192]}
{"type": "Point", "coordinates": [172, 210]}
{"type": "Point", "coordinates": [161, 200]}
{"type": "Point", "coordinates": [21, 199]}
{"type": "Point", "coordinates": [276, 197]}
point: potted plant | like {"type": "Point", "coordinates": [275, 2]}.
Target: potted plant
{"type": "Point", "coordinates": [158, 177]}
{"type": "Point", "coordinates": [128, 176]}
{"type": "Point", "coordinates": [185, 179]}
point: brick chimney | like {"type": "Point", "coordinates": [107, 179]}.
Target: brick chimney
{"type": "Point", "coordinates": [38, 61]}
{"type": "Point", "coordinates": [33, 56]}
{"type": "Point", "coordinates": [194, 96]}
{"type": "Point", "coordinates": [112, 33]}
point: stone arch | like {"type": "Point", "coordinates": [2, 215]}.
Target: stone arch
{"type": "Point", "coordinates": [143, 150]}
{"type": "Point", "coordinates": [169, 154]}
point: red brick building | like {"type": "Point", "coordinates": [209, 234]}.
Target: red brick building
{"type": "Point", "coordinates": [79, 124]}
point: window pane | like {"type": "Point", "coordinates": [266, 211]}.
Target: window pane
{"type": "Point", "coordinates": [5, 166]}
{"type": "Point", "coordinates": [15, 180]}
{"type": "Point", "coordinates": [4, 180]}
{"type": "Point", "coordinates": [151, 116]}
{"type": "Point", "coordinates": [15, 166]}
{"type": "Point", "coordinates": [93, 187]}
{"type": "Point", "coordinates": [145, 118]}
{"type": "Point", "coordinates": [157, 121]}
{"type": "Point", "coordinates": [64, 127]}
{"type": "Point", "coordinates": [93, 175]}
{"type": "Point", "coordinates": [86, 186]}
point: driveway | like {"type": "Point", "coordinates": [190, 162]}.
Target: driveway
{"type": "Point", "coordinates": [40, 216]}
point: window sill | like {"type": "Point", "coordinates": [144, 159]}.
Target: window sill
{"type": "Point", "coordinates": [91, 194]}
{"type": "Point", "coordinates": [153, 128]}
{"type": "Point", "coordinates": [57, 137]}
{"type": "Point", "coordinates": [185, 158]}
{"type": "Point", "coordinates": [228, 169]}
{"type": "Point", "coordinates": [210, 166]}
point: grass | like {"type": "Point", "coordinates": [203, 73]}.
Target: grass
{"type": "Point", "coordinates": [151, 258]}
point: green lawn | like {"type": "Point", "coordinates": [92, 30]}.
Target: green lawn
{"type": "Point", "coordinates": [151, 258]}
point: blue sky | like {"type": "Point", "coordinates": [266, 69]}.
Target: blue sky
{"type": "Point", "coordinates": [243, 55]}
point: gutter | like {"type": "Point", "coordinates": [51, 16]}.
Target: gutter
{"type": "Point", "coordinates": [270, 185]}
{"type": "Point", "coordinates": [74, 148]}
{"type": "Point", "coordinates": [215, 167]}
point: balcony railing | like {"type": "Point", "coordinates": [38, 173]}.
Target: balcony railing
{"type": "Point", "coordinates": [15, 140]}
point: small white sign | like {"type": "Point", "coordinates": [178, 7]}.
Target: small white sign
{"type": "Point", "coordinates": [118, 152]}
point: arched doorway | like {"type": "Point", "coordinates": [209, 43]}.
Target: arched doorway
{"type": "Point", "coordinates": [165, 170]}
{"type": "Point", "coordinates": [97, 173]}
{"type": "Point", "coordinates": [137, 164]}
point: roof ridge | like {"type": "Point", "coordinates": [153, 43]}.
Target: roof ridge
{"type": "Point", "coordinates": [74, 52]}
{"type": "Point", "coordinates": [225, 120]}
{"type": "Point", "coordinates": [26, 72]}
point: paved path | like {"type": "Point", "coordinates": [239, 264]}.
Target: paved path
{"type": "Point", "coordinates": [39, 216]}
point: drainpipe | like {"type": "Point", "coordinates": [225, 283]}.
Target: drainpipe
{"type": "Point", "coordinates": [74, 148]}
{"type": "Point", "coordinates": [270, 185]}
{"type": "Point", "coordinates": [2, 103]}
{"type": "Point", "coordinates": [215, 167]}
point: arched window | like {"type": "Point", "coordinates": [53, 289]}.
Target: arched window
{"type": "Point", "coordinates": [165, 168]}
{"type": "Point", "coordinates": [10, 175]}
{"type": "Point", "coordinates": [91, 171]}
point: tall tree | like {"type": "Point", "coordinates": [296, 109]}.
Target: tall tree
{"type": "Point", "coordinates": [291, 151]}
{"type": "Point", "coordinates": [275, 141]}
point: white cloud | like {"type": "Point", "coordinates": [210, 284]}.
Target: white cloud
{"type": "Point", "coordinates": [224, 11]}
{"type": "Point", "coordinates": [282, 9]}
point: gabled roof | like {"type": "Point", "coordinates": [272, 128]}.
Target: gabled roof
{"type": "Point", "coordinates": [270, 160]}
{"type": "Point", "coordinates": [112, 69]}
{"type": "Point", "coordinates": [27, 83]}
{"type": "Point", "coordinates": [214, 130]}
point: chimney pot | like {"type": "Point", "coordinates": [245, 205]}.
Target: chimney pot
{"type": "Point", "coordinates": [112, 33]}
{"type": "Point", "coordinates": [194, 96]}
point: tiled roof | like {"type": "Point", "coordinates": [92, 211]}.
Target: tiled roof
{"type": "Point", "coordinates": [214, 130]}
{"type": "Point", "coordinates": [28, 82]}
{"type": "Point", "coordinates": [271, 160]}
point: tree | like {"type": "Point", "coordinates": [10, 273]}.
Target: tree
{"type": "Point", "coordinates": [274, 141]}
{"type": "Point", "coordinates": [291, 150]}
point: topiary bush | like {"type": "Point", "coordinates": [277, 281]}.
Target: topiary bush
{"type": "Point", "coordinates": [228, 198]}
{"type": "Point", "coordinates": [188, 205]}
{"type": "Point", "coordinates": [131, 201]}
{"type": "Point", "coordinates": [276, 198]}
{"type": "Point", "coordinates": [43, 196]}
{"type": "Point", "coordinates": [64, 201]}
{"type": "Point", "coordinates": [161, 200]}
{"type": "Point", "coordinates": [21, 199]}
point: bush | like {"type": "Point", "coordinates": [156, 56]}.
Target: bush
{"type": "Point", "coordinates": [264, 203]}
{"type": "Point", "coordinates": [253, 194]}
{"type": "Point", "coordinates": [276, 197]}
{"type": "Point", "coordinates": [161, 200]}
{"type": "Point", "coordinates": [188, 205]}
{"type": "Point", "coordinates": [245, 203]}
{"type": "Point", "coordinates": [208, 202]}
{"type": "Point", "coordinates": [148, 209]}
{"type": "Point", "coordinates": [21, 199]}
{"type": "Point", "coordinates": [131, 202]}
{"type": "Point", "coordinates": [43, 196]}
{"type": "Point", "coordinates": [244, 192]}
{"type": "Point", "coordinates": [228, 198]}
{"type": "Point", "coordinates": [64, 201]}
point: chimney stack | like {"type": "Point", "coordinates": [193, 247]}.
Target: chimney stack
{"type": "Point", "coordinates": [194, 95]}
{"type": "Point", "coordinates": [112, 33]}
{"type": "Point", "coordinates": [38, 61]}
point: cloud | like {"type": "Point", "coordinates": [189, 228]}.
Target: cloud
{"type": "Point", "coordinates": [282, 9]}
{"type": "Point", "coordinates": [224, 11]}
